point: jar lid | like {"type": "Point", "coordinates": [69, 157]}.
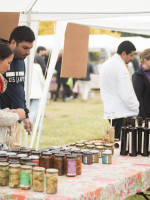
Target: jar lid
{"type": "Point", "coordinates": [84, 150]}
{"type": "Point", "coordinates": [15, 150]}
{"type": "Point", "coordinates": [79, 145]}
{"type": "Point", "coordinates": [95, 151]}
{"type": "Point", "coordinates": [46, 153]}
{"type": "Point", "coordinates": [78, 151]}
{"type": "Point", "coordinates": [3, 153]}
{"type": "Point", "coordinates": [32, 149]}
{"type": "Point", "coordinates": [55, 152]}
{"type": "Point", "coordinates": [25, 159]}
{"type": "Point", "coordinates": [26, 167]}
{"type": "Point", "coordinates": [88, 153]}
{"type": "Point", "coordinates": [71, 156]}
{"type": "Point", "coordinates": [22, 148]}
{"type": "Point", "coordinates": [72, 144]}
{"type": "Point", "coordinates": [90, 146]}
{"type": "Point", "coordinates": [22, 155]}
{"type": "Point", "coordinates": [39, 169]}
{"type": "Point", "coordinates": [36, 152]}
{"type": "Point", "coordinates": [89, 143]}
{"type": "Point", "coordinates": [11, 154]}
{"type": "Point", "coordinates": [15, 166]}
{"type": "Point", "coordinates": [74, 149]}
{"type": "Point", "coordinates": [34, 157]}
{"type": "Point", "coordinates": [98, 144]}
{"type": "Point", "coordinates": [99, 147]}
{"type": "Point", "coordinates": [14, 162]}
{"type": "Point", "coordinates": [31, 164]}
{"type": "Point", "coordinates": [3, 164]}
{"type": "Point", "coordinates": [13, 157]}
{"type": "Point", "coordinates": [52, 171]}
{"type": "Point", "coordinates": [107, 152]}
{"type": "Point", "coordinates": [67, 148]}
{"type": "Point", "coordinates": [109, 145]}
{"type": "Point", "coordinates": [25, 151]}
{"type": "Point", "coordinates": [60, 155]}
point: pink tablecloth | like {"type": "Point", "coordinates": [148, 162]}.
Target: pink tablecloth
{"type": "Point", "coordinates": [124, 177]}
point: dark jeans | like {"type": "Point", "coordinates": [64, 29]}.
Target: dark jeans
{"type": "Point", "coordinates": [117, 123]}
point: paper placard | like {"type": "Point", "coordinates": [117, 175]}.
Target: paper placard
{"type": "Point", "coordinates": [75, 54]}
{"type": "Point", "coordinates": [8, 21]}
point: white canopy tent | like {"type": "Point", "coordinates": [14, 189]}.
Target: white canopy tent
{"type": "Point", "coordinates": [128, 16]}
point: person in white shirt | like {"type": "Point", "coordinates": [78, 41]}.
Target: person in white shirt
{"type": "Point", "coordinates": [37, 86]}
{"type": "Point", "coordinates": [117, 91]}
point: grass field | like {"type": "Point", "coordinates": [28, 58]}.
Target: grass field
{"type": "Point", "coordinates": [72, 121]}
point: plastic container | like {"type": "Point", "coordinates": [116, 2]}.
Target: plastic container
{"type": "Point", "coordinates": [14, 175]}
{"type": "Point", "coordinates": [38, 179]}
{"type": "Point", "coordinates": [26, 177]}
{"type": "Point", "coordinates": [51, 181]}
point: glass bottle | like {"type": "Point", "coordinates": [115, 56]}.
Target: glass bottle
{"type": "Point", "coordinates": [14, 175]}
{"type": "Point", "coordinates": [51, 181]}
{"type": "Point", "coordinates": [38, 179]}
{"type": "Point", "coordinates": [124, 141]}
{"type": "Point", "coordinates": [145, 142]}
{"type": "Point", "coordinates": [133, 142]}
{"type": "Point", "coordinates": [26, 177]}
{"type": "Point", "coordinates": [139, 134]}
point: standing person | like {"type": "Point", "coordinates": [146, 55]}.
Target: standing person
{"type": "Point", "coordinates": [117, 91]}
{"type": "Point", "coordinates": [40, 58]}
{"type": "Point", "coordinates": [84, 84]}
{"type": "Point", "coordinates": [37, 85]}
{"type": "Point", "coordinates": [21, 42]}
{"type": "Point", "coordinates": [8, 117]}
{"type": "Point", "coordinates": [141, 84]}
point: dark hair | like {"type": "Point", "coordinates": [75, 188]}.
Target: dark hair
{"type": "Point", "coordinates": [22, 33]}
{"type": "Point", "coordinates": [126, 46]}
{"type": "Point", "coordinates": [40, 48]}
{"type": "Point", "coordinates": [5, 51]}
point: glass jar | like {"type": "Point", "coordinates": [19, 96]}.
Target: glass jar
{"type": "Point", "coordinates": [14, 176]}
{"type": "Point", "coordinates": [98, 144]}
{"type": "Point", "coordinates": [53, 157]}
{"type": "Point", "coordinates": [71, 165]}
{"type": "Point", "coordinates": [51, 181]}
{"type": "Point", "coordinates": [100, 149]}
{"type": "Point", "coordinates": [95, 156]}
{"type": "Point", "coordinates": [11, 154]}
{"type": "Point", "coordinates": [88, 158]}
{"type": "Point", "coordinates": [21, 156]}
{"type": "Point", "coordinates": [107, 157]}
{"type": "Point", "coordinates": [14, 158]}
{"type": "Point", "coordinates": [78, 164]}
{"type": "Point", "coordinates": [109, 147]}
{"type": "Point", "coordinates": [26, 177]}
{"type": "Point", "coordinates": [77, 152]}
{"type": "Point", "coordinates": [80, 146]}
{"type": "Point", "coordinates": [35, 159]}
{"type": "Point", "coordinates": [37, 153]}
{"type": "Point", "coordinates": [46, 160]}
{"type": "Point", "coordinates": [32, 164]}
{"type": "Point", "coordinates": [3, 152]}
{"type": "Point", "coordinates": [59, 163]}
{"type": "Point", "coordinates": [25, 151]}
{"type": "Point", "coordinates": [17, 151]}
{"type": "Point", "coordinates": [4, 157]}
{"type": "Point", "coordinates": [4, 174]}
{"type": "Point", "coordinates": [26, 160]}
{"type": "Point", "coordinates": [38, 179]}
{"type": "Point", "coordinates": [65, 161]}
{"type": "Point", "coordinates": [90, 147]}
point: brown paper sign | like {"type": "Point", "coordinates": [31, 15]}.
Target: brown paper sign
{"type": "Point", "coordinates": [8, 21]}
{"type": "Point", "coordinates": [75, 55]}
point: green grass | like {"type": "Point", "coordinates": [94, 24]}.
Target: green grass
{"type": "Point", "coordinates": [72, 121]}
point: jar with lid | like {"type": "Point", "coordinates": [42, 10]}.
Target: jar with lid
{"type": "Point", "coordinates": [78, 164]}
{"type": "Point", "coordinates": [77, 152]}
{"type": "Point", "coordinates": [17, 151]}
{"type": "Point", "coordinates": [25, 151]}
{"type": "Point", "coordinates": [21, 156]}
{"type": "Point", "coordinates": [53, 157]}
{"type": "Point", "coordinates": [38, 179]}
{"type": "Point", "coordinates": [89, 143]}
{"type": "Point", "coordinates": [13, 158]}
{"type": "Point", "coordinates": [37, 153]}
{"type": "Point", "coordinates": [65, 161]}
{"type": "Point", "coordinates": [80, 146]}
{"type": "Point", "coordinates": [32, 164]}
{"type": "Point", "coordinates": [75, 149]}
{"type": "Point", "coordinates": [4, 157]}
{"type": "Point", "coordinates": [95, 156]}
{"type": "Point", "coordinates": [51, 181]}
{"type": "Point", "coordinates": [22, 148]}
{"type": "Point", "coordinates": [73, 144]}
{"type": "Point", "coordinates": [35, 159]}
{"type": "Point", "coordinates": [4, 174]}
{"type": "Point", "coordinates": [109, 147]}
{"type": "Point", "coordinates": [98, 144]}
{"type": "Point", "coordinates": [59, 163]}
{"type": "Point", "coordinates": [71, 165]}
{"type": "Point", "coordinates": [14, 162]}
{"type": "Point", "coordinates": [3, 152]}
{"type": "Point", "coordinates": [14, 175]}
{"type": "Point", "coordinates": [31, 150]}
{"type": "Point", "coordinates": [26, 177]}
{"type": "Point", "coordinates": [100, 149]}
{"type": "Point", "coordinates": [26, 160]}
{"type": "Point", "coordinates": [87, 158]}
{"type": "Point", "coordinates": [107, 157]}
{"type": "Point", "coordinates": [9, 154]}
{"type": "Point", "coordinates": [90, 147]}
{"type": "Point", "coordinates": [46, 160]}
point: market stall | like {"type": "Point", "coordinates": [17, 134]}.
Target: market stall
{"type": "Point", "coordinates": [126, 176]}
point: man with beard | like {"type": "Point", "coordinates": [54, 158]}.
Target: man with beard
{"type": "Point", "coordinates": [20, 41]}
{"type": "Point", "coordinates": [117, 91]}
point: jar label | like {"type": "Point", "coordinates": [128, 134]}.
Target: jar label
{"type": "Point", "coordinates": [104, 159]}
{"type": "Point", "coordinates": [84, 160]}
{"type": "Point", "coordinates": [36, 161]}
{"type": "Point", "coordinates": [24, 179]}
{"type": "Point", "coordinates": [71, 167]}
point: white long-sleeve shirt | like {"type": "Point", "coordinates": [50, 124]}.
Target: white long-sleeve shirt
{"type": "Point", "coordinates": [117, 92]}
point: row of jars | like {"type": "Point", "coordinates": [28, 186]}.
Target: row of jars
{"type": "Point", "coordinates": [26, 177]}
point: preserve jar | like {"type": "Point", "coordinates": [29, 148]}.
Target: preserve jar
{"type": "Point", "coordinates": [59, 163]}
{"type": "Point", "coordinates": [53, 157]}
{"type": "Point", "coordinates": [26, 177]}
{"type": "Point", "coordinates": [14, 162]}
{"type": "Point", "coordinates": [32, 164]}
{"type": "Point", "coordinates": [4, 174]}
{"type": "Point", "coordinates": [65, 161]}
{"type": "Point", "coordinates": [25, 151]}
{"type": "Point", "coordinates": [26, 160]}
{"type": "Point", "coordinates": [87, 158]}
{"type": "Point", "coordinates": [100, 149]}
{"type": "Point", "coordinates": [71, 165]}
{"type": "Point", "coordinates": [107, 157]}
{"type": "Point", "coordinates": [51, 181]}
{"type": "Point", "coordinates": [14, 158]}
{"type": "Point", "coordinates": [14, 175]}
{"type": "Point", "coordinates": [95, 156]}
{"type": "Point", "coordinates": [4, 157]}
{"type": "Point", "coordinates": [38, 179]}
{"type": "Point", "coordinates": [35, 159]}
{"type": "Point", "coordinates": [21, 156]}
{"type": "Point", "coordinates": [90, 147]}
{"type": "Point", "coordinates": [73, 144]}
{"type": "Point", "coordinates": [78, 164]}
{"type": "Point", "coordinates": [80, 146]}
{"type": "Point", "coordinates": [46, 160]}
{"type": "Point", "coordinates": [17, 151]}
{"type": "Point", "coordinates": [110, 147]}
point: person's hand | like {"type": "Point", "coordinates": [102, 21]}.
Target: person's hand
{"type": "Point", "coordinates": [28, 125]}
{"type": "Point", "coordinates": [20, 112]}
